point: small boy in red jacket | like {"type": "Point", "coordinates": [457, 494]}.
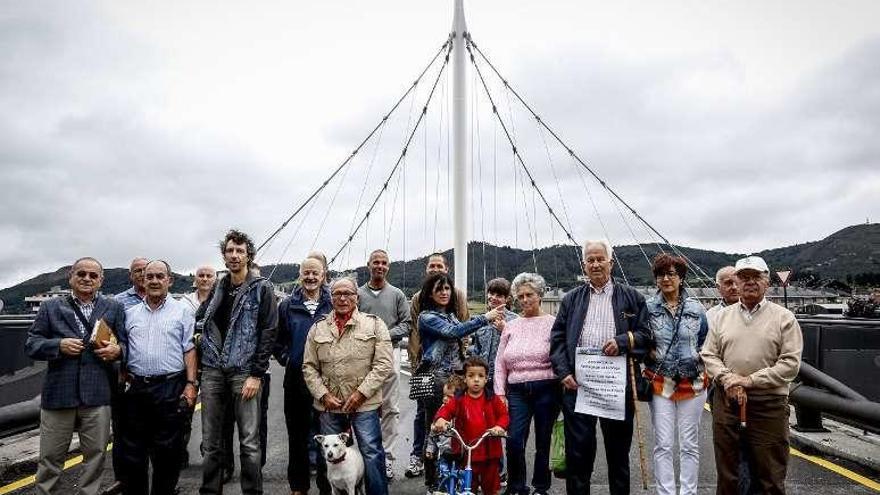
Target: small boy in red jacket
{"type": "Point", "coordinates": [474, 412]}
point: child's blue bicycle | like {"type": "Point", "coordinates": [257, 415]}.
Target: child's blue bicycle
{"type": "Point", "coordinates": [452, 479]}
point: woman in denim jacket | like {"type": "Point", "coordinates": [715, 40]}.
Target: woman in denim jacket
{"type": "Point", "coordinates": [441, 334]}
{"type": "Point", "coordinates": [677, 374]}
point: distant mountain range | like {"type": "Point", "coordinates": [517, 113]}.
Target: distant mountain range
{"type": "Point", "coordinates": [849, 257]}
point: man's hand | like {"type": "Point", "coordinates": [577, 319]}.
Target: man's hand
{"type": "Point", "coordinates": [440, 425]}
{"type": "Point", "coordinates": [250, 388]}
{"type": "Point", "coordinates": [331, 402]}
{"type": "Point", "coordinates": [610, 348]}
{"type": "Point", "coordinates": [71, 347]}
{"type": "Point", "coordinates": [733, 380]}
{"type": "Point", "coordinates": [189, 393]}
{"type": "Point", "coordinates": [108, 351]}
{"type": "Point", "coordinates": [497, 431]}
{"type": "Point", "coordinates": [569, 382]}
{"type": "Point", "coordinates": [354, 402]}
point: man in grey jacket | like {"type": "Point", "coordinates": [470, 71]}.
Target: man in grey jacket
{"type": "Point", "coordinates": [380, 298]}
{"type": "Point", "coordinates": [80, 378]}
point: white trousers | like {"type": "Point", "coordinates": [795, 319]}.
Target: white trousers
{"type": "Point", "coordinates": [390, 409]}
{"type": "Point", "coordinates": [666, 416]}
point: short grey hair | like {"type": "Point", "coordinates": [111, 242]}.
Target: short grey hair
{"type": "Point", "coordinates": [167, 266]}
{"type": "Point", "coordinates": [339, 280]}
{"type": "Point", "coordinates": [724, 270]}
{"type": "Point", "coordinates": [609, 251]}
{"type": "Point", "coordinates": [533, 280]}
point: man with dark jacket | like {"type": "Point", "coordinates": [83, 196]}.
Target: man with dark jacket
{"type": "Point", "coordinates": [597, 315]}
{"type": "Point", "coordinates": [238, 326]}
{"type": "Point", "coordinates": [308, 303]}
{"type": "Point", "coordinates": [80, 377]}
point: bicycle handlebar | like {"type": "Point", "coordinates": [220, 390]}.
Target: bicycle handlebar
{"type": "Point", "coordinates": [452, 432]}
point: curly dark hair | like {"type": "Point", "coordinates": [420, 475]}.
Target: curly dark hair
{"type": "Point", "coordinates": [664, 261]}
{"type": "Point", "coordinates": [239, 237]}
{"type": "Point", "coordinates": [426, 302]}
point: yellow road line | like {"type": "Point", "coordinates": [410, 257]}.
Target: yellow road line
{"type": "Point", "coordinates": [73, 461]}
{"type": "Point", "coordinates": [846, 473]}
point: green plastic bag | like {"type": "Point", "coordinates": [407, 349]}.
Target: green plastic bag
{"type": "Point", "coordinates": [557, 449]}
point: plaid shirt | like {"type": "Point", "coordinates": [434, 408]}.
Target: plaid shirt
{"type": "Point", "coordinates": [86, 309]}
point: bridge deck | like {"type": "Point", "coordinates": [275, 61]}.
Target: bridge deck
{"type": "Point", "coordinates": [804, 477]}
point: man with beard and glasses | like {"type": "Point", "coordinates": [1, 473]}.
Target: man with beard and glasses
{"type": "Point", "coordinates": [238, 325]}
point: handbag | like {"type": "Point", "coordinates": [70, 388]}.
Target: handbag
{"type": "Point", "coordinates": [645, 386]}
{"type": "Point", "coordinates": [421, 383]}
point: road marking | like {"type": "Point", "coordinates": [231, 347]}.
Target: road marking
{"type": "Point", "coordinates": [846, 473]}
{"type": "Point", "coordinates": [73, 461]}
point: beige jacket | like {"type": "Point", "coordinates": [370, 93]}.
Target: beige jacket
{"type": "Point", "coordinates": [359, 359]}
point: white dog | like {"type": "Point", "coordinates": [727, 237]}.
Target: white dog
{"type": "Point", "coordinates": [345, 466]}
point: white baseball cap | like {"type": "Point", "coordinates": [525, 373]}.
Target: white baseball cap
{"type": "Point", "coordinates": [751, 263]}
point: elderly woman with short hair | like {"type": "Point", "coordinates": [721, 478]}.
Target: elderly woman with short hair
{"type": "Point", "coordinates": [676, 370]}
{"type": "Point", "coordinates": [524, 378]}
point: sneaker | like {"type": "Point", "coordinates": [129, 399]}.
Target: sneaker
{"type": "Point", "coordinates": [416, 467]}
{"type": "Point", "coordinates": [389, 469]}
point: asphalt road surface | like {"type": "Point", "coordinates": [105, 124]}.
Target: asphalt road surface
{"type": "Point", "coordinates": [804, 477]}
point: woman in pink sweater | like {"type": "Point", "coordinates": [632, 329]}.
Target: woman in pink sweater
{"type": "Point", "coordinates": [524, 379]}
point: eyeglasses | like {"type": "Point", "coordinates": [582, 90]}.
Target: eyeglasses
{"type": "Point", "coordinates": [91, 275]}
{"type": "Point", "coordinates": [341, 295]}
{"type": "Point", "coordinates": [669, 275]}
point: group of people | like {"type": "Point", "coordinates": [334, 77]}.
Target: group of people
{"type": "Point", "coordinates": [501, 372]}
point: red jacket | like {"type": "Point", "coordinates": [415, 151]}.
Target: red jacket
{"type": "Point", "coordinates": [472, 418]}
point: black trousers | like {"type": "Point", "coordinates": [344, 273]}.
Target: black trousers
{"type": "Point", "coordinates": [580, 447]}
{"type": "Point", "coordinates": [300, 417]}
{"type": "Point", "coordinates": [153, 420]}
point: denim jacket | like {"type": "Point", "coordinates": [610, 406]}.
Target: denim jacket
{"type": "Point", "coordinates": [484, 342]}
{"type": "Point", "coordinates": [441, 348]}
{"type": "Point", "coordinates": [252, 328]}
{"type": "Point", "coordinates": [682, 360]}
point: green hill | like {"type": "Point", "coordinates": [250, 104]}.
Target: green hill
{"type": "Point", "coordinates": [851, 255]}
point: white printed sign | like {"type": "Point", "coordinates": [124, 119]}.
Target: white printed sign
{"type": "Point", "coordinates": [601, 384]}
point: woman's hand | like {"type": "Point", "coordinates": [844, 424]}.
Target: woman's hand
{"type": "Point", "coordinates": [495, 313]}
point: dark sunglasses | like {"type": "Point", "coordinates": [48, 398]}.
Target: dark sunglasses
{"type": "Point", "coordinates": [91, 275]}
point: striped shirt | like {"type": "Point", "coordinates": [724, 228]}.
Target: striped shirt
{"type": "Point", "coordinates": [129, 298]}
{"type": "Point", "coordinates": [86, 309]}
{"type": "Point", "coordinates": [599, 323]}
{"type": "Point", "coordinates": [157, 339]}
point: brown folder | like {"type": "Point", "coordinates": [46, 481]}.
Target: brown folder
{"type": "Point", "coordinates": [102, 332]}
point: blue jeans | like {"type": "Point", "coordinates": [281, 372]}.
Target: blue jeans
{"type": "Point", "coordinates": [539, 400]}
{"type": "Point", "coordinates": [418, 449]}
{"type": "Point", "coordinates": [368, 432]}
{"type": "Point", "coordinates": [222, 389]}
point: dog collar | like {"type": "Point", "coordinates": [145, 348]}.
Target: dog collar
{"type": "Point", "coordinates": [337, 461]}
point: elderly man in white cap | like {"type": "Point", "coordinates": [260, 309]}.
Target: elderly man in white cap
{"type": "Point", "coordinates": [752, 353]}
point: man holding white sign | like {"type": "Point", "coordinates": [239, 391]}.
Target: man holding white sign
{"type": "Point", "coordinates": [591, 326]}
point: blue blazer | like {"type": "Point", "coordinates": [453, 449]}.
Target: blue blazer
{"type": "Point", "coordinates": [630, 315]}
{"type": "Point", "coordinates": [84, 380]}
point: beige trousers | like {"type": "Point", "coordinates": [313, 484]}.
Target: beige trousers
{"type": "Point", "coordinates": [390, 409]}
{"type": "Point", "coordinates": [56, 430]}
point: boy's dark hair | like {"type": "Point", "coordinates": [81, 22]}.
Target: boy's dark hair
{"type": "Point", "coordinates": [499, 286]}
{"type": "Point", "coordinates": [475, 362]}
{"type": "Point", "coordinates": [426, 302]}
{"type": "Point", "coordinates": [239, 237]}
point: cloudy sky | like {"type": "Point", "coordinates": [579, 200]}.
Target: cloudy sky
{"type": "Point", "coordinates": [148, 128]}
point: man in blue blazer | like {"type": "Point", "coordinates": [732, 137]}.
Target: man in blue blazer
{"type": "Point", "coordinates": [80, 376]}
{"type": "Point", "coordinates": [597, 315]}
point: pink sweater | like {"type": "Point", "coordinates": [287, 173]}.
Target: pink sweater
{"type": "Point", "coordinates": [524, 352]}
